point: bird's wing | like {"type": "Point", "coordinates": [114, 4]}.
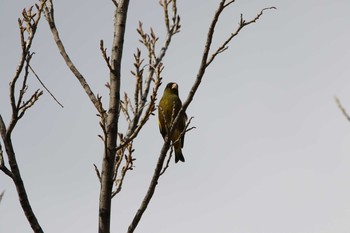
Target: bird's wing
{"type": "Point", "coordinates": [162, 128]}
{"type": "Point", "coordinates": [161, 121]}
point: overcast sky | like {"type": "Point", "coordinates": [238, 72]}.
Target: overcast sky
{"type": "Point", "coordinates": [270, 152]}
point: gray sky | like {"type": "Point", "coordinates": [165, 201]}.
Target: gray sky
{"type": "Point", "coordinates": [270, 152]}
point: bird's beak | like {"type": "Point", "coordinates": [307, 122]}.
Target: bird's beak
{"type": "Point", "coordinates": [174, 86]}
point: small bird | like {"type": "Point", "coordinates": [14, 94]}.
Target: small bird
{"type": "Point", "coordinates": [169, 106]}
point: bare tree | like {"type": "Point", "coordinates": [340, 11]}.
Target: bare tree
{"type": "Point", "coordinates": [136, 107]}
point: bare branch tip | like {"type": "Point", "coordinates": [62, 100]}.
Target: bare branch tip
{"type": "Point", "coordinates": [97, 173]}
{"type": "Point", "coordinates": [342, 109]}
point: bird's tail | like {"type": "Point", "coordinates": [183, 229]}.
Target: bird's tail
{"type": "Point", "coordinates": [179, 156]}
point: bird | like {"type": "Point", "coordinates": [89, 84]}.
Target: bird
{"type": "Point", "coordinates": [168, 108]}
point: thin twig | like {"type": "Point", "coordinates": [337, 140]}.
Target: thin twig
{"type": "Point", "coordinates": [228, 3]}
{"type": "Point", "coordinates": [2, 165]}
{"type": "Point", "coordinates": [2, 195]}
{"type": "Point", "coordinates": [128, 166]}
{"type": "Point", "coordinates": [242, 24]}
{"type": "Point", "coordinates": [186, 129]}
{"type": "Point", "coordinates": [149, 111]}
{"type": "Point", "coordinates": [42, 84]}
{"type": "Point", "coordinates": [168, 161]}
{"type": "Point", "coordinates": [28, 24]}
{"type": "Point", "coordinates": [105, 57]}
{"type": "Point", "coordinates": [342, 108]}
{"type": "Point", "coordinates": [29, 103]}
{"type": "Point", "coordinates": [97, 173]}
{"type": "Point", "coordinates": [115, 3]}
{"type": "Point", "coordinates": [24, 87]}
{"type": "Point", "coordinates": [3, 130]}
{"type": "Point", "coordinates": [155, 66]}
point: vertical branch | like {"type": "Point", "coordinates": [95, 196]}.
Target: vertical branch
{"type": "Point", "coordinates": [112, 118]}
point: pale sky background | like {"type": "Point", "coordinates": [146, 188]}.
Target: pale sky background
{"type": "Point", "coordinates": [271, 151]}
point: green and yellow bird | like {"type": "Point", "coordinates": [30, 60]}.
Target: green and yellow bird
{"type": "Point", "coordinates": [169, 106]}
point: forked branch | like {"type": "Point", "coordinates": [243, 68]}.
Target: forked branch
{"type": "Point", "coordinates": [242, 23]}
{"type": "Point", "coordinates": [205, 62]}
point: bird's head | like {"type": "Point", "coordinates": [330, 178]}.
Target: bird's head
{"type": "Point", "coordinates": [172, 88]}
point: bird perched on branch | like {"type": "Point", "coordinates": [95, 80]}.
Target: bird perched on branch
{"type": "Point", "coordinates": [169, 106]}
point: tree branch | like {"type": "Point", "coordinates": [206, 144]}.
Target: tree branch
{"type": "Point", "coordinates": [167, 162]}
{"type": "Point", "coordinates": [98, 174]}
{"type": "Point", "coordinates": [3, 131]}
{"type": "Point", "coordinates": [129, 165]}
{"type": "Point", "coordinates": [42, 84]}
{"type": "Point", "coordinates": [342, 109]}
{"type": "Point", "coordinates": [29, 103]}
{"type": "Point", "coordinates": [109, 158]}
{"type": "Point", "coordinates": [21, 191]}
{"type": "Point", "coordinates": [2, 165]}
{"type": "Point", "coordinates": [204, 64]}
{"type": "Point", "coordinates": [151, 188]}
{"type": "Point", "coordinates": [2, 195]}
{"type": "Point", "coordinates": [142, 96]}
{"type": "Point", "coordinates": [24, 83]}
{"type": "Point", "coordinates": [27, 26]}
{"type": "Point", "coordinates": [241, 25]}
{"type": "Point", "coordinates": [104, 55]}
{"type": "Point", "coordinates": [155, 67]}
{"type": "Point", "coordinates": [115, 3]}
{"type": "Point", "coordinates": [49, 15]}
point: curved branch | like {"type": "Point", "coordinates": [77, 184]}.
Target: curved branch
{"type": "Point", "coordinates": [49, 15]}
